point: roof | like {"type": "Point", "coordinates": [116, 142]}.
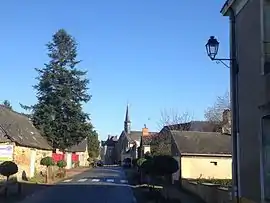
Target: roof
{"type": "Point", "coordinates": [193, 142]}
{"type": "Point", "coordinates": [146, 140]}
{"type": "Point", "coordinates": [201, 126]}
{"type": "Point", "coordinates": [81, 147]}
{"type": "Point", "coordinates": [227, 5]}
{"type": "Point", "coordinates": [19, 129]}
{"type": "Point", "coordinates": [134, 136]}
{"type": "Point", "coordinates": [111, 141]}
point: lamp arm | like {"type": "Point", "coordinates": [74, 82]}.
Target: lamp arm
{"type": "Point", "coordinates": [219, 61]}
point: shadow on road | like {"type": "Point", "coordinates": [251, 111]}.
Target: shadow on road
{"type": "Point", "coordinates": [73, 192]}
{"type": "Point", "coordinates": [26, 190]}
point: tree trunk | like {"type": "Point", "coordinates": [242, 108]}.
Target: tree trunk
{"type": "Point", "coordinates": [6, 187]}
{"type": "Point", "coordinates": [46, 175]}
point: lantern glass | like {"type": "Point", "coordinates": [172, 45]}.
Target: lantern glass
{"type": "Point", "coordinates": [212, 47]}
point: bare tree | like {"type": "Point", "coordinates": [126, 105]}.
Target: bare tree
{"type": "Point", "coordinates": [214, 113]}
{"type": "Point", "coordinates": [173, 118]}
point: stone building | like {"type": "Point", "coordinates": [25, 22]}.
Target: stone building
{"type": "Point", "coordinates": [21, 142]}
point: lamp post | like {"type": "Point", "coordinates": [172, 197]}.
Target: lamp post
{"type": "Point", "coordinates": [212, 50]}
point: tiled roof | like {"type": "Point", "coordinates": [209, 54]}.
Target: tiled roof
{"type": "Point", "coordinates": [146, 140]}
{"type": "Point", "coordinates": [200, 126]}
{"type": "Point", "coordinates": [135, 136]}
{"type": "Point", "coordinates": [81, 147]}
{"type": "Point", "coordinates": [19, 129]}
{"type": "Point", "coordinates": [111, 141]}
{"type": "Point", "coordinates": [202, 142]}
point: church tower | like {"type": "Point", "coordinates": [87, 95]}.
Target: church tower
{"type": "Point", "coordinates": [127, 122]}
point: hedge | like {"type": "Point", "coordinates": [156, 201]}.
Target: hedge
{"type": "Point", "coordinates": [221, 182]}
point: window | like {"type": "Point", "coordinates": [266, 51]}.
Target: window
{"type": "Point", "coordinates": [266, 29]}
{"type": "Point", "coordinates": [214, 163]}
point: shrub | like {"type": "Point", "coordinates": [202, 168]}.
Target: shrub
{"type": "Point", "coordinates": [147, 155]}
{"type": "Point", "coordinates": [147, 166]}
{"type": "Point", "coordinates": [62, 164]}
{"type": "Point", "coordinates": [134, 162]}
{"type": "Point", "coordinates": [8, 168]}
{"type": "Point", "coordinates": [161, 165]}
{"type": "Point", "coordinates": [77, 163]}
{"type": "Point", "coordinates": [90, 160]}
{"type": "Point", "coordinates": [47, 161]}
{"type": "Point", "coordinates": [140, 161]}
{"type": "Point", "coordinates": [127, 160]}
{"type": "Point", "coordinates": [164, 165]}
{"type": "Point", "coordinates": [221, 182]}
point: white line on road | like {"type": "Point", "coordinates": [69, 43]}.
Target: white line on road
{"type": "Point", "coordinates": [82, 180]}
{"type": "Point", "coordinates": [66, 181]}
{"type": "Point", "coordinates": [95, 180]}
{"type": "Point", "coordinates": [110, 180]}
{"type": "Point", "coordinates": [123, 181]}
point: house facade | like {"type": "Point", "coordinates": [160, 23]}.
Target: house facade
{"type": "Point", "coordinates": [201, 154]}
{"type": "Point", "coordinates": [81, 151]}
{"type": "Point", "coordinates": [253, 58]}
{"type": "Point", "coordinates": [21, 142]}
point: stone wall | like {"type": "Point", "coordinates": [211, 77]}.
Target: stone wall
{"type": "Point", "coordinates": [210, 193]}
{"type": "Point", "coordinates": [22, 157]}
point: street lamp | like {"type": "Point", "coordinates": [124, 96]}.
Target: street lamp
{"type": "Point", "coordinates": [212, 50]}
{"type": "Point", "coordinates": [212, 47]}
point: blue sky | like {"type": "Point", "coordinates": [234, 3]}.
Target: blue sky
{"type": "Point", "coordinates": [149, 53]}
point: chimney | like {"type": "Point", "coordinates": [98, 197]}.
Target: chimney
{"type": "Point", "coordinates": [226, 121]}
{"type": "Point", "coordinates": [226, 116]}
{"type": "Point", "coordinates": [145, 131]}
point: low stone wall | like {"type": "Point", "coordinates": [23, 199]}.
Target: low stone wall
{"type": "Point", "coordinates": [210, 193]}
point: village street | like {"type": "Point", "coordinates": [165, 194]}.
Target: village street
{"type": "Point", "coordinates": [99, 185]}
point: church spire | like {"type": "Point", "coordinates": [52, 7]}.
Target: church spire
{"type": "Point", "coordinates": [127, 121]}
{"type": "Point", "coordinates": [127, 115]}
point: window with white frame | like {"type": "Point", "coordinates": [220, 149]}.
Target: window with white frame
{"type": "Point", "coordinates": [266, 28]}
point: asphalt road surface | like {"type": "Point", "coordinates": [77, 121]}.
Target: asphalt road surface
{"type": "Point", "coordinates": [99, 185]}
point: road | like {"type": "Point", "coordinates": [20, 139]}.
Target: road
{"type": "Point", "coordinates": [99, 185]}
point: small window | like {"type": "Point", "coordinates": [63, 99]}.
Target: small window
{"type": "Point", "coordinates": [213, 162]}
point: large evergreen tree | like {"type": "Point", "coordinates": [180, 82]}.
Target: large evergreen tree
{"type": "Point", "coordinates": [61, 90]}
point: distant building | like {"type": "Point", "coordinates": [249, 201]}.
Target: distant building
{"type": "Point", "coordinates": [129, 141]}
{"type": "Point", "coordinates": [108, 155]}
